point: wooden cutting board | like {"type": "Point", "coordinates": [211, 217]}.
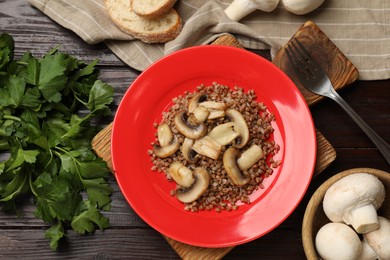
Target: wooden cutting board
{"type": "Point", "coordinates": [342, 72]}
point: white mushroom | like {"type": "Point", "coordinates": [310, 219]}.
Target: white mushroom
{"type": "Point", "coordinates": [250, 157]}
{"type": "Point", "coordinates": [338, 241]}
{"type": "Point", "coordinates": [240, 127]}
{"type": "Point", "coordinates": [216, 109]}
{"type": "Point", "coordinates": [224, 134]}
{"type": "Point", "coordinates": [379, 240]}
{"type": "Point", "coordinates": [241, 8]}
{"type": "Point", "coordinates": [301, 7]}
{"type": "Point", "coordinates": [235, 163]}
{"type": "Point", "coordinates": [164, 134]}
{"type": "Point", "coordinates": [207, 146]}
{"type": "Point", "coordinates": [200, 185]}
{"type": "Point", "coordinates": [181, 174]}
{"type": "Point", "coordinates": [188, 153]}
{"type": "Point", "coordinates": [201, 114]}
{"type": "Point", "coordinates": [354, 200]}
{"type": "Point", "coordinates": [187, 127]}
{"type": "Point", "coordinates": [367, 252]}
{"type": "Point", "coordinates": [168, 143]}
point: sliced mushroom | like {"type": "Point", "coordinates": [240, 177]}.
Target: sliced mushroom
{"type": "Point", "coordinates": [202, 180]}
{"type": "Point", "coordinates": [169, 143]}
{"type": "Point", "coordinates": [207, 146]}
{"type": "Point", "coordinates": [181, 174]}
{"type": "Point", "coordinates": [230, 164]}
{"type": "Point", "coordinates": [190, 130]}
{"type": "Point", "coordinates": [217, 109]}
{"type": "Point", "coordinates": [224, 134]}
{"type": "Point", "coordinates": [195, 100]}
{"type": "Point", "coordinates": [201, 114]}
{"type": "Point", "coordinates": [240, 126]}
{"type": "Point", "coordinates": [164, 134]}
{"type": "Point", "coordinates": [248, 158]}
{"type": "Point", "coordinates": [188, 153]}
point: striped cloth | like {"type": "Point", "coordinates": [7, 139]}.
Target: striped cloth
{"type": "Point", "coordinates": [359, 28]}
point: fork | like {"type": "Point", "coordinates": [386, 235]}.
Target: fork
{"type": "Point", "coordinates": [314, 78]}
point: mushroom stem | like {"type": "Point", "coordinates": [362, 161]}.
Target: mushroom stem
{"type": "Point", "coordinates": [250, 157]}
{"type": "Point", "coordinates": [241, 8]}
{"type": "Point", "coordinates": [238, 9]}
{"type": "Point", "coordinates": [363, 219]}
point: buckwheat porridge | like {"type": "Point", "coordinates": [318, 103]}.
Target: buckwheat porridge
{"type": "Point", "coordinates": [216, 144]}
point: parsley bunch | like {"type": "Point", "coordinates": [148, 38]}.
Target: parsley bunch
{"type": "Point", "coordinates": [47, 110]}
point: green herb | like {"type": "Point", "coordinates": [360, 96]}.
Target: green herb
{"type": "Point", "coordinates": [47, 110]}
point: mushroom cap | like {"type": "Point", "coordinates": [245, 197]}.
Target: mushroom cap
{"type": "Point", "coordinates": [338, 241]}
{"type": "Point", "coordinates": [301, 7]}
{"type": "Point", "coordinates": [350, 192]}
{"type": "Point", "coordinates": [379, 239]}
{"type": "Point", "coordinates": [231, 166]}
{"type": "Point", "coordinates": [265, 5]}
{"type": "Point", "coordinates": [193, 131]}
{"type": "Point", "coordinates": [240, 126]}
{"type": "Point", "coordinates": [201, 184]}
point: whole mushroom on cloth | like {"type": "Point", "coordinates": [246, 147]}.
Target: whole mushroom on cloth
{"type": "Point", "coordinates": [238, 9]}
{"type": "Point", "coordinates": [354, 200]}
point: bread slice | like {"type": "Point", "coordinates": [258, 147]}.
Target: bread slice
{"type": "Point", "coordinates": [151, 8]}
{"type": "Point", "coordinates": [161, 29]}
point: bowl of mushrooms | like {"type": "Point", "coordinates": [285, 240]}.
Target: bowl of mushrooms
{"type": "Point", "coordinates": [348, 217]}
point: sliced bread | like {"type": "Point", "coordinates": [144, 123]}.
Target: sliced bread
{"type": "Point", "coordinates": [161, 29]}
{"type": "Point", "coordinates": [151, 8]}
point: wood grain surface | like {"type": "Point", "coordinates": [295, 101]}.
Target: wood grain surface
{"type": "Point", "coordinates": [129, 237]}
{"type": "Point", "coordinates": [339, 68]}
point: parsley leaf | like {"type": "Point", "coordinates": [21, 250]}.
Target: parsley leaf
{"type": "Point", "coordinates": [49, 141]}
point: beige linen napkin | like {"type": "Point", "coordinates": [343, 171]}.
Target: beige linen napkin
{"type": "Point", "coordinates": [359, 28]}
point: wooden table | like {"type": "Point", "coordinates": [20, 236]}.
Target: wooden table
{"type": "Point", "coordinates": [129, 237]}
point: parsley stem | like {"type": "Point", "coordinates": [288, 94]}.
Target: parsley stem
{"type": "Point", "coordinates": [15, 118]}
{"type": "Point", "coordinates": [31, 185]}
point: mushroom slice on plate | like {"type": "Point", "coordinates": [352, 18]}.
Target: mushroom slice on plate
{"type": "Point", "coordinates": [224, 134]}
{"type": "Point", "coordinates": [201, 114]}
{"type": "Point", "coordinates": [207, 146]}
{"type": "Point", "coordinates": [202, 180]}
{"type": "Point", "coordinates": [232, 169]}
{"type": "Point", "coordinates": [248, 158]}
{"type": "Point", "coordinates": [164, 134]}
{"type": "Point", "coordinates": [188, 153]}
{"type": "Point", "coordinates": [217, 109]}
{"type": "Point", "coordinates": [195, 100]}
{"type": "Point", "coordinates": [169, 143]}
{"type": "Point", "coordinates": [240, 126]}
{"type": "Point", "coordinates": [187, 128]}
{"type": "Point", "coordinates": [181, 174]}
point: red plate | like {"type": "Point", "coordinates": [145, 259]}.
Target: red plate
{"type": "Point", "coordinates": [148, 192]}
